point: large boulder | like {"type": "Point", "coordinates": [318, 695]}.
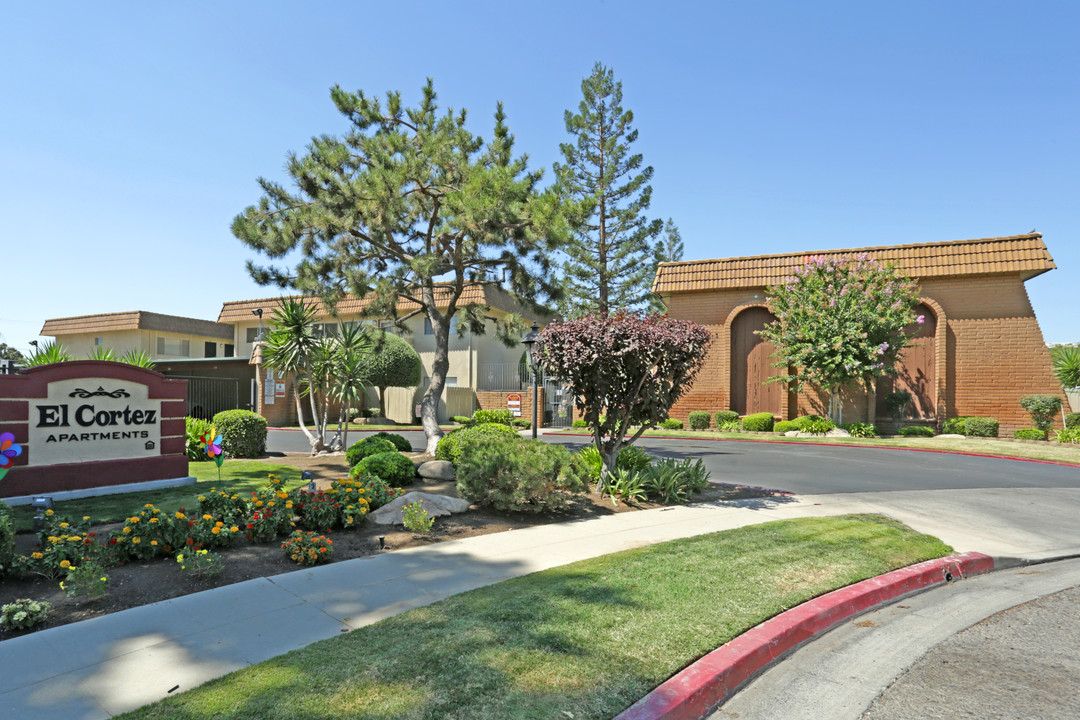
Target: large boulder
{"type": "Point", "coordinates": [436, 470]}
{"type": "Point", "coordinates": [435, 505]}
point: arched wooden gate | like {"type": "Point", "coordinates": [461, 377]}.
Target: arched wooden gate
{"type": "Point", "coordinates": [751, 365]}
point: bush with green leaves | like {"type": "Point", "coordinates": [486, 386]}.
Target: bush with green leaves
{"type": "Point", "coordinates": [672, 424]}
{"type": "Point", "coordinates": [393, 467]}
{"type": "Point", "coordinates": [492, 416]}
{"type": "Point", "coordinates": [954, 426]}
{"type": "Point", "coordinates": [415, 518]}
{"type": "Point", "coordinates": [626, 485]}
{"type": "Point", "coordinates": [731, 426]}
{"type": "Point", "coordinates": [1030, 434]}
{"type": "Point", "coordinates": [817, 426]}
{"type": "Point", "coordinates": [521, 423]}
{"type": "Point", "coordinates": [579, 424]}
{"type": "Point", "coordinates": [631, 458]}
{"type": "Point", "coordinates": [7, 538]}
{"type": "Point", "coordinates": [803, 419]}
{"type": "Point", "coordinates": [367, 447]}
{"type": "Point", "coordinates": [725, 416]}
{"type": "Point", "coordinates": [23, 614]}
{"type": "Point", "coordinates": [699, 420]}
{"type": "Point", "coordinates": [675, 481]}
{"type": "Point", "coordinates": [377, 491]}
{"type": "Point", "coordinates": [1068, 435]}
{"type": "Point", "coordinates": [758, 422]}
{"type": "Point", "coordinates": [917, 431]}
{"type": "Point", "coordinates": [243, 433]}
{"type": "Point", "coordinates": [515, 474]}
{"type": "Point", "coordinates": [1042, 408]}
{"type": "Point", "coordinates": [85, 580]}
{"type": "Point", "coordinates": [785, 426]}
{"type": "Point", "coordinates": [980, 427]}
{"type": "Point", "coordinates": [860, 429]}
{"type": "Point", "coordinates": [449, 448]}
{"type": "Point", "coordinates": [194, 430]}
{"type": "Point", "coordinates": [461, 419]}
{"type": "Point", "coordinates": [1072, 420]}
{"type": "Point", "coordinates": [400, 441]}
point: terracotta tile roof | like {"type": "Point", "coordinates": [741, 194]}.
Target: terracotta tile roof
{"type": "Point", "coordinates": [1025, 254]}
{"type": "Point", "coordinates": [240, 310]}
{"type": "Point", "coordinates": [135, 320]}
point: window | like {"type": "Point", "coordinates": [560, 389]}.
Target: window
{"type": "Point", "coordinates": [325, 329]}
{"type": "Point", "coordinates": [173, 346]}
{"type": "Point", "coordinates": [252, 334]}
{"type": "Point", "coordinates": [428, 330]}
{"type": "Point", "coordinates": [98, 341]}
{"type": "Point", "coordinates": [451, 382]}
{"type": "Point", "coordinates": [229, 350]}
{"type": "Point", "coordinates": [209, 349]}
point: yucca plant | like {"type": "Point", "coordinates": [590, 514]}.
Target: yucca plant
{"type": "Point", "coordinates": [138, 358]}
{"type": "Point", "coordinates": [1067, 365]}
{"type": "Point", "coordinates": [102, 353]}
{"type": "Point", "coordinates": [48, 353]}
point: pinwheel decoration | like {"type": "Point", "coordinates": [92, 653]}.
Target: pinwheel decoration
{"type": "Point", "coordinates": [211, 443]}
{"type": "Point", "coordinates": [9, 450]}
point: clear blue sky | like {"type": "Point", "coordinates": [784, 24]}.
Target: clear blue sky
{"type": "Point", "coordinates": [132, 133]}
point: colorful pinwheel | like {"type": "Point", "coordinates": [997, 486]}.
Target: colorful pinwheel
{"type": "Point", "coordinates": [211, 443]}
{"type": "Point", "coordinates": [9, 450]}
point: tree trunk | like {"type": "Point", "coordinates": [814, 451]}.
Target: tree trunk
{"type": "Point", "coordinates": [382, 401]}
{"type": "Point", "coordinates": [315, 441]}
{"type": "Point", "coordinates": [318, 438]}
{"type": "Point", "coordinates": [429, 408]}
{"type": "Point", "coordinates": [610, 456]}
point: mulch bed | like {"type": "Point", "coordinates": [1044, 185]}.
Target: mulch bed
{"type": "Point", "coordinates": [143, 582]}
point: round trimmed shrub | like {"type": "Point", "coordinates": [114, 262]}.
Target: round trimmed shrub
{"type": "Point", "coordinates": [1030, 434]}
{"type": "Point", "coordinates": [578, 424]}
{"type": "Point", "coordinates": [784, 426]}
{"type": "Point", "coordinates": [699, 420]}
{"type": "Point", "coordinates": [954, 426]}
{"type": "Point", "coordinates": [399, 441]}
{"type": "Point", "coordinates": [492, 416]}
{"type": "Point", "coordinates": [672, 424]}
{"type": "Point", "coordinates": [917, 431]}
{"type": "Point", "coordinates": [981, 427]}
{"type": "Point", "coordinates": [449, 448]}
{"type": "Point", "coordinates": [367, 447]}
{"type": "Point", "coordinates": [725, 416]}
{"type": "Point", "coordinates": [243, 433]}
{"type": "Point", "coordinates": [758, 422]}
{"type": "Point", "coordinates": [392, 467]}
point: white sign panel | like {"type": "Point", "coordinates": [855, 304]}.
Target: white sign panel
{"type": "Point", "coordinates": [93, 419]}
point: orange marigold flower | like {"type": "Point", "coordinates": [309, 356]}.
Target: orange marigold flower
{"type": "Point", "coordinates": [207, 517]}
{"type": "Point", "coordinates": [215, 530]}
{"type": "Point", "coordinates": [136, 540]}
{"type": "Point", "coordinates": [65, 564]}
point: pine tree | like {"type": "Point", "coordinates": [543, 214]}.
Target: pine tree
{"type": "Point", "coordinates": [669, 248]}
{"type": "Point", "coordinates": [609, 257]}
{"type": "Point", "coordinates": [409, 206]}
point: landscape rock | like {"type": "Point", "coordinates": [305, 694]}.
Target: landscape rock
{"type": "Point", "coordinates": [436, 470]}
{"type": "Point", "coordinates": [435, 505]}
{"type": "Point", "coordinates": [949, 436]}
{"type": "Point", "coordinates": [791, 433]}
{"type": "Point", "coordinates": [838, 432]}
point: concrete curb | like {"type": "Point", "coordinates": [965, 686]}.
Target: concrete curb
{"type": "Point", "coordinates": [696, 691]}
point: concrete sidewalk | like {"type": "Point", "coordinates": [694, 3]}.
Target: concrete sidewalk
{"type": "Point", "coordinates": [108, 665]}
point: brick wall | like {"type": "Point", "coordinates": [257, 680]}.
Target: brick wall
{"type": "Point", "coordinates": [990, 352]}
{"type": "Point", "coordinates": [496, 400]}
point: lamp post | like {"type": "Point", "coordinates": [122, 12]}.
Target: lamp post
{"type": "Point", "coordinates": [258, 312]}
{"type": "Point", "coordinates": [529, 341]}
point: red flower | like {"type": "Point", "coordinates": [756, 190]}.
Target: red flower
{"type": "Point", "coordinates": [190, 523]}
{"type": "Point", "coordinates": [251, 526]}
{"type": "Point", "coordinates": [190, 541]}
{"type": "Point", "coordinates": [112, 541]}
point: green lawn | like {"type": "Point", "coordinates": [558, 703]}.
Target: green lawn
{"type": "Point", "coordinates": [580, 641]}
{"type": "Point", "coordinates": [1058, 452]}
{"type": "Point", "coordinates": [241, 476]}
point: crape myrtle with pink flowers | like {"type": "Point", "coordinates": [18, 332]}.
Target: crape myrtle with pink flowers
{"type": "Point", "coordinates": [841, 322]}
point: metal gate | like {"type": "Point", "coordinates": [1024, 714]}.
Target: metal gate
{"type": "Point", "coordinates": [207, 396]}
{"type": "Point", "coordinates": [558, 404]}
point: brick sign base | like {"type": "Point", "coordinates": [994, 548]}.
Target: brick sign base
{"type": "Point", "coordinates": [102, 424]}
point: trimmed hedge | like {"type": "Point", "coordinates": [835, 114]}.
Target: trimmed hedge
{"type": "Point", "coordinates": [672, 424]}
{"type": "Point", "coordinates": [785, 426]}
{"type": "Point", "coordinates": [758, 422]}
{"type": "Point", "coordinates": [971, 426]}
{"type": "Point", "coordinates": [399, 441]}
{"type": "Point", "coordinates": [699, 420]}
{"type": "Point", "coordinates": [392, 467]}
{"type": "Point", "coordinates": [367, 447]}
{"type": "Point", "coordinates": [725, 416]}
{"type": "Point", "coordinates": [449, 448]}
{"type": "Point", "coordinates": [1030, 434]}
{"type": "Point", "coordinates": [503, 417]}
{"type": "Point", "coordinates": [917, 431]}
{"type": "Point", "coordinates": [1072, 420]}
{"type": "Point", "coordinates": [243, 433]}
{"type": "Point", "coordinates": [579, 424]}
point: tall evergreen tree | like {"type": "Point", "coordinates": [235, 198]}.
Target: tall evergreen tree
{"type": "Point", "coordinates": [408, 209]}
{"type": "Point", "coordinates": [669, 248]}
{"type": "Point", "coordinates": [609, 257]}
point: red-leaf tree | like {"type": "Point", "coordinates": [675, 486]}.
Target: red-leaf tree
{"type": "Point", "coordinates": [626, 367]}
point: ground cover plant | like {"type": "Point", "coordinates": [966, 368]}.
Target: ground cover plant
{"type": "Point", "coordinates": [583, 640]}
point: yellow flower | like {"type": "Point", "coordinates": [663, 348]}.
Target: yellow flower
{"type": "Point", "coordinates": [64, 525]}
{"type": "Point", "coordinates": [134, 519]}
{"type": "Point", "coordinates": [136, 540]}
{"type": "Point", "coordinates": [65, 564]}
{"type": "Point", "coordinates": [180, 558]}
{"type": "Point", "coordinates": [258, 503]}
{"type": "Point", "coordinates": [153, 542]}
{"type": "Point", "coordinates": [282, 495]}
{"type": "Point", "coordinates": [75, 538]}
{"type": "Point", "coordinates": [219, 524]}
{"type": "Point", "coordinates": [104, 579]}
{"type": "Point", "coordinates": [202, 498]}
{"type": "Point", "coordinates": [234, 529]}
{"type": "Point", "coordinates": [180, 516]}
{"type": "Point", "coordinates": [207, 517]}
{"type": "Point", "coordinates": [49, 513]}
{"type": "Point", "coordinates": [53, 538]}
{"type": "Point", "coordinates": [126, 530]}
{"type": "Point", "coordinates": [215, 530]}
{"type": "Point", "coordinates": [149, 505]}
{"type": "Point", "coordinates": [288, 503]}
{"type": "Point", "coordinates": [36, 556]}
{"type": "Point", "coordinates": [85, 517]}
{"type": "Point", "coordinates": [153, 520]}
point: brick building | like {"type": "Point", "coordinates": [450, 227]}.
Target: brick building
{"type": "Point", "coordinates": [978, 353]}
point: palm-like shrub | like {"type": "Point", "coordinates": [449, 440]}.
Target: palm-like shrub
{"type": "Point", "coordinates": [1066, 360]}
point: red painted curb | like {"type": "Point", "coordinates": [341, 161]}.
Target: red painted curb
{"type": "Point", "coordinates": [698, 689]}
{"type": "Point", "coordinates": [850, 445]}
